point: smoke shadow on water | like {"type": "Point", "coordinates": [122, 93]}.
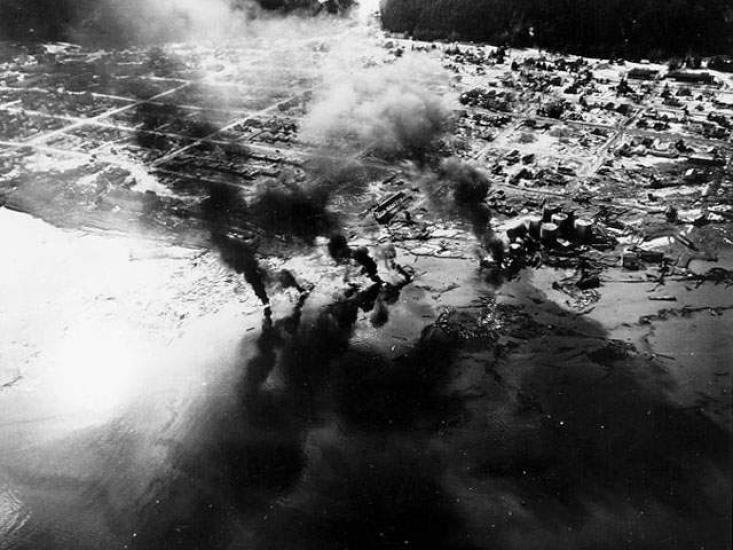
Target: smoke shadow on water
{"type": "Point", "coordinates": [326, 443]}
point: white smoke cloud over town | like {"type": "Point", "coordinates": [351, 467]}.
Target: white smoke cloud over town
{"type": "Point", "coordinates": [378, 109]}
{"type": "Point", "coordinates": [146, 21]}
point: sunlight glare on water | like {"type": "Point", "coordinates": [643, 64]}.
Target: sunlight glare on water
{"type": "Point", "coordinates": [95, 367]}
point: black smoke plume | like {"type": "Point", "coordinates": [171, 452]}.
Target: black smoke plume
{"type": "Point", "coordinates": [223, 210]}
{"type": "Point", "coordinates": [241, 257]}
{"type": "Point", "coordinates": [362, 257]}
{"type": "Point", "coordinates": [460, 189]}
{"type": "Point", "coordinates": [288, 280]}
{"type": "Point", "coordinates": [339, 249]}
{"type": "Point", "coordinates": [292, 211]}
{"type": "Point", "coordinates": [469, 187]}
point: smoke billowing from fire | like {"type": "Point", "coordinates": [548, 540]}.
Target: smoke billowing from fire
{"type": "Point", "coordinates": [460, 189]}
{"type": "Point", "coordinates": [363, 107]}
{"type": "Point", "coordinates": [146, 21]}
{"type": "Point", "coordinates": [378, 109]}
{"type": "Point", "coordinates": [223, 210]}
{"type": "Point", "coordinates": [241, 257]}
{"type": "Point", "coordinates": [339, 249]}
{"type": "Point", "coordinates": [293, 212]}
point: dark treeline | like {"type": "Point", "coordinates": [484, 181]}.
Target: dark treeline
{"type": "Point", "coordinates": [46, 19]}
{"type": "Point", "coordinates": [633, 28]}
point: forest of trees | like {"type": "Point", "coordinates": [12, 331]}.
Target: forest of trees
{"type": "Point", "coordinates": [25, 20]}
{"type": "Point", "coordinates": [633, 28]}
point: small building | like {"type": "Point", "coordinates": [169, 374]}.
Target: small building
{"type": "Point", "coordinates": [643, 74]}
{"type": "Point", "coordinates": [706, 159]}
{"type": "Point", "coordinates": [722, 63]}
{"type": "Point", "coordinates": [724, 100]}
{"type": "Point", "coordinates": [668, 114]}
{"type": "Point", "coordinates": [691, 77]}
{"type": "Point", "coordinates": [721, 118]}
{"type": "Point", "coordinates": [663, 149]}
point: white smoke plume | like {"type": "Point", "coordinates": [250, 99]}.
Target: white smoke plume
{"type": "Point", "coordinates": [141, 22]}
{"type": "Point", "coordinates": [146, 21]}
{"type": "Point", "coordinates": [380, 109]}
